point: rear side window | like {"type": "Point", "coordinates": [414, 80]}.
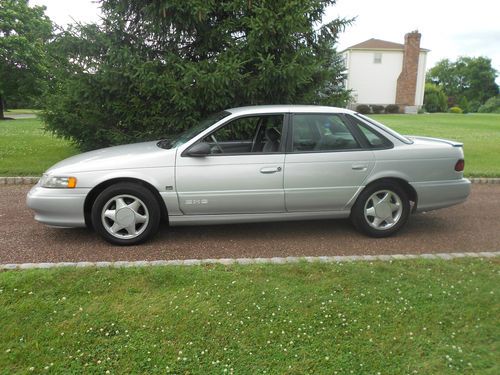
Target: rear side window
{"type": "Point", "coordinates": [321, 132]}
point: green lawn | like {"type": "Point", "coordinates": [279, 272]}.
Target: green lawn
{"type": "Point", "coordinates": [480, 134]}
{"type": "Point", "coordinates": [404, 317]}
{"type": "Point", "coordinates": [27, 150]}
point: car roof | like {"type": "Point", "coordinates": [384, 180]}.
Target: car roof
{"type": "Point", "coordinates": [287, 108]}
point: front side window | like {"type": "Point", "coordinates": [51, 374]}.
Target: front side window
{"type": "Point", "coordinates": [195, 130]}
{"type": "Point", "coordinates": [251, 134]}
{"type": "Point", "coordinates": [321, 132]}
{"type": "Point", "coordinates": [377, 58]}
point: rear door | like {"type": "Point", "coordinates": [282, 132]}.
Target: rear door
{"type": "Point", "coordinates": [325, 164]}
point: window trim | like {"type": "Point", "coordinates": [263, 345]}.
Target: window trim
{"type": "Point", "coordinates": [362, 143]}
{"type": "Point", "coordinates": [284, 136]}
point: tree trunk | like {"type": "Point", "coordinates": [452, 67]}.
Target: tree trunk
{"type": "Point", "coordinates": [1, 108]}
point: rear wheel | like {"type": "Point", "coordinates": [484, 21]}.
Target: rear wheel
{"type": "Point", "coordinates": [381, 209]}
{"type": "Point", "coordinates": [126, 214]}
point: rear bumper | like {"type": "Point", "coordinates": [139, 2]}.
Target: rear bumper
{"type": "Point", "coordinates": [439, 194]}
{"type": "Point", "coordinates": [58, 207]}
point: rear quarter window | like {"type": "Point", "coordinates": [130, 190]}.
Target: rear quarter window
{"type": "Point", "coordinates": [374, 139]}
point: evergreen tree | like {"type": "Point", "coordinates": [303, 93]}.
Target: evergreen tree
{"type": "Point", "coordinates": [154, 68]}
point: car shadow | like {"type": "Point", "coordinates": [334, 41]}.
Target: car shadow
{"type": "Point", "coordinates": [340, 229]}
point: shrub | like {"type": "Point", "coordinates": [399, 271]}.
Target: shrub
{"type": "Point", "coordinates": [435, 99]}
{"type": "Point", "coordinates": [451, 101]}
{"type": "Point", "coordinates": [474, 105]}
{"type": "Point", "coordinates": [464, 104]}
{"type": "Point", "coordinates": [377, 108]}
{"type": "Point", "coordinates": [392, 108]}
{"type": "Point", "coordinates": [492, 105]}
{"type": "Point", "coordinates": [363, 109]}
{"type": "Point", "coordinates": [456, 110]}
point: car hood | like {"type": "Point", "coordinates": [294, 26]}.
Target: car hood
{"type": "Point", "coordinates": [133, 156]}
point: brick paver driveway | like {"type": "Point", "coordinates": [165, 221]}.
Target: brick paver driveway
{"type": "Point", "coordinates": [472, 226]}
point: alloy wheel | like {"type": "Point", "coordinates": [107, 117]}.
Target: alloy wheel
{"type": "Point", "coordinates": [125, 216]}
{"type": "Point", "coordinates": [383, 209]}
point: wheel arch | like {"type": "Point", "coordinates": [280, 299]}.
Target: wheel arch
{"type": "Point", "coordinates": [404, 184]}
{"type": "Point", "coordinates": [98, 189]}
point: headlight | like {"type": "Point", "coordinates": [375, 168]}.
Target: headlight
{"type": "Point", "coordinates": [57, 182]}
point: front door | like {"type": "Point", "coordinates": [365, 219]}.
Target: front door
{"type": "Point", "coordinates": [326, 164]}
{"type": "Point", "coordinates": [243, 174]}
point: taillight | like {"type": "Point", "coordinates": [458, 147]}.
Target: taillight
{"type": "Point", "coordinates": [459, 166]}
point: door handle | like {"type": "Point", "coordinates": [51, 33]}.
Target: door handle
{"type": "Point", "coordinates": [359, 167]}
{"type": "Point", "coordinates": [267, 170]}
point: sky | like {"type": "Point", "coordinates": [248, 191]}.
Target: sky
{"type": "Point", "coordinates": [449, 28]}
{"type": "Point", "coordinates": [63, 12]}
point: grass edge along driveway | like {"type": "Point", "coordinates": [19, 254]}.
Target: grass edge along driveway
{"type": "Point", "coordinates": [413, 316]}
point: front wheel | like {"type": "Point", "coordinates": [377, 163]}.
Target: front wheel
{"type": "Point", "coordinates": [381, 209]}
{"type": "Point", "coordinates": [126, 214]}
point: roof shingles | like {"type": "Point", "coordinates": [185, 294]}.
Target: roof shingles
{"type": "Point", "coordinates": [377, 44]}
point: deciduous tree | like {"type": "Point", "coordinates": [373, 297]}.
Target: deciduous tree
{"type": "Point", "coordinates": [472, 78]}
{"type": "Point", "coordinates": [24, 31]}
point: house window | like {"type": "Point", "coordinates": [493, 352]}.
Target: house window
{"type": "Point", "coordinates": [377, 58]}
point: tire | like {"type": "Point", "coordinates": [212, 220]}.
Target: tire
{"type": "Point", "coordinates": [126, 214]}
{"type": "Point", "coordinates": [390, 216]}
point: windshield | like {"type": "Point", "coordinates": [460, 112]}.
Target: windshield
{"type": "Point", "coordinates": [384, 128]}
{"type": "Point", "coordinates": [195, 130]}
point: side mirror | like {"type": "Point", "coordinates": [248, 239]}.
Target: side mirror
{"type": "Point", "coordinates": [199, 149]}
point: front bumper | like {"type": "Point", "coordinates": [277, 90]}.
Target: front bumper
{"type": "Point", "coordinates": [58, 207]}
{"type": "Point", "coordinates": [439, 194]}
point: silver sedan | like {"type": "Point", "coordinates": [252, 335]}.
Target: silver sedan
{"type": "Point", "coordinates": [252, 164]}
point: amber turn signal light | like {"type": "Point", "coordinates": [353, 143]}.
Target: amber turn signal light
{"type": "Point", "coordinates": [71, 182]}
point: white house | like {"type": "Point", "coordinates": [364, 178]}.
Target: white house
{"type": "Point", "coordinates": [382, 72]}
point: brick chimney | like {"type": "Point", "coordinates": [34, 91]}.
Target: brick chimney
{"type": "Point", "coordinates": [407, 80]}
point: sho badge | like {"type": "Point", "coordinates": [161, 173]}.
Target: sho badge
{"type": "Point", "coordinates": [196, 201]}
